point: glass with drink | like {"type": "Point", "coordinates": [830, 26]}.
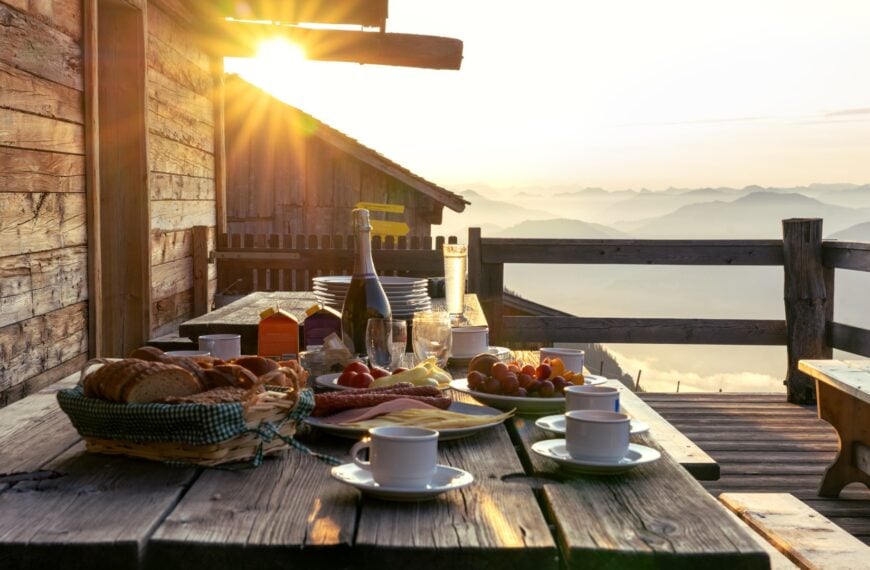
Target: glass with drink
{"type": "Point", "coordinates": [455, 264]}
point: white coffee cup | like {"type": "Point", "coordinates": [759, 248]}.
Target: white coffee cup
{"type": "Point", "coordinates": [469, 341]}
{"type": "Point", "coordinates": [402, 457]}
{"type": "Point", "coordinates": [223, 346]}
{"type": "Point", "coordinates": [572, 358]}
{"type": "Point", "coordinates": [591, 398]}
{"type": "Point", "coordinates": [595, 435]}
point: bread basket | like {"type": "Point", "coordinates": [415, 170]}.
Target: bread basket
{"type": "Point", "coordinates": [196, 434]}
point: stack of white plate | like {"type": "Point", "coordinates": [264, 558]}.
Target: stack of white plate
{"type": "Point", "coordinates": [407, 295]}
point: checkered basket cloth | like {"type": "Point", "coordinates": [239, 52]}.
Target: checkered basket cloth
{"type": "Point", "coordinates": [200, 434]}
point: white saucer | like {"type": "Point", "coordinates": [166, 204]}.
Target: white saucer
{"type": "Point", "coordinates": [555, 449]}
{"type": "Point", "coordinates": [556, 424]}
{"type": "Point", "coordinates": [445, 479]}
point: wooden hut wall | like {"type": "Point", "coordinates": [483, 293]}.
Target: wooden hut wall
{"type": "Point", "coordinates": [43, 226]}
{"type": "Point", "coordinates": [43, 256]}
{"type": "Point", "coordinates": [181, 160]}
{"type": "Point", "coordinates": [284, 179]}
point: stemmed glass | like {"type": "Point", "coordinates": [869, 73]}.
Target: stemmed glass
{"type": "Point", "coordinates": [432, 336]}
{"type": "Point", "coordinates": [385, 342]}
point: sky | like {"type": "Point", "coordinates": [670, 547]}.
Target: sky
{"type": "Point", "coordinates": [617, 94]}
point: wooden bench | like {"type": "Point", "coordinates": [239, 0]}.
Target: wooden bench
{"type": "Point", "coordinates": [804, 536]}
{"type": "Point", "coordinates": [694, 459]}
{"type": "Point", "coordinates": [843, 396]}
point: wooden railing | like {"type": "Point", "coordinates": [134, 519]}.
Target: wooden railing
{"type": "Point", "coordinates": [808, 330]}
{"type": "Point", "coordinates": [248, 263]}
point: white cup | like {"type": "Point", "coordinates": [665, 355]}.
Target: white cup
{"type": "Point", "coordinates": [591, 398]}
{"type": "Point", "coordinates": [469, 341]}
{"type": "Point", "coordinates": [223, 346]}
{"type": "Point", "coordinates": [402, 457]}
{"type": "Point", "coordinates": [188, 353]}
{"type": "Point", "coordinates": [572, 358]}
{"type": "Point", "coordinates": [596, 435]}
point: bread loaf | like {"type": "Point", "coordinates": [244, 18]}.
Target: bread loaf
{"type": "Point", "coordinates": [138, 381]}
{"type": "Point", "coordinates": [256, 364]}
{"type": "Point", "coordinates": [159, 381]}
{"type": "Point", "coordinates": [150, 353]}
{"type": "Point", "coordinates": [215, 396]}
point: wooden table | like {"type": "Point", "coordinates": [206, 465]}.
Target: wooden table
{"type": "Point", "coordinates": [243, 316]}
{"type": "Point", "coordinates": [61, 507]}
{"type": "Point", "coordinates": [843, 397]}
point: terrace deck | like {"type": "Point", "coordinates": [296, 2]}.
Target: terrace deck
{"type": "Point", "coordinates": [764, 444]}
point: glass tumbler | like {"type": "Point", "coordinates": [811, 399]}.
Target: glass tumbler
{"type": "Point", "coordinates": [432, 336]}
{"type": "Point", "coordinates": [385, 342]}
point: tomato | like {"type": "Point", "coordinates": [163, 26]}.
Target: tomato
{"type": "Point", "coordinates": [357, 366]}
{"type": "Point", "coordinates": [378, 372]}
{"type": "Point", "coordinates": [363, 380]}
{"type": "Point", "coordinates": [347, 378]}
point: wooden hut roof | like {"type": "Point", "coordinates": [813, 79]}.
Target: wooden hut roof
{"type": "Point", "coordinates": [353, 147]}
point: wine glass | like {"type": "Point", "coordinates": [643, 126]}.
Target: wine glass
{"type": "Point", "coordinates": [385, 341]}
{"type": "Point", "coordinates": [432, 336]}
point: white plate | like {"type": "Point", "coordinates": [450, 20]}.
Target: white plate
{"type": "Point", "coordinates": [556, 425]}
{"type": "Point", "coordinates": [499, 352]}
{"type": "Point", "coordinates": [555, 449]}
{"type": "Point", "coordinates": [445, 479]}
{"type": "Point", "coordinates": [330, 381]}
{"type": "Point", "coordinates": [343, 281]}
{"type": "Point", "coordinates": [536, 406]}
{"type": "Point", "coordinates": [443, 434]}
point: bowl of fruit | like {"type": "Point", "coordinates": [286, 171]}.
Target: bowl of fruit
{"type": "Point", "coordinates": [357, 375]}
{"type": "Point", "coordinates": [514, 385]}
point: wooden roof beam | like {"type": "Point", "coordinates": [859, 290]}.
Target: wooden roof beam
{"type": "Point", "coordinates": [369, 13]}
{"type": "Point", "coordinates": [242, 39]}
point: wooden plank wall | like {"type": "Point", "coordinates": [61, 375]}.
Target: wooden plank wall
{"type": "Point", "coordinates": [181, 155]}
{"type": "Point", "coordinates": [43, 255]}
{"type": "Point", "coordinates": [283, 179]}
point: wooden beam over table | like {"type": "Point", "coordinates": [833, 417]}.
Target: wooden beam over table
{"type": "Point", "coordinates": [242, 39]}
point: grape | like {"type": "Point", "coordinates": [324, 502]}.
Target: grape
{"type": "Point", "coordinates": [547, 389]}
{"type": "Point", "coordinates": [534, 387]}
{"type": "Point", "coordinates": [475, 379]}
{"type": "Point", "coordinates": [528, 369]}
{"type": "Point", "coordinates": [558, 384]}
{"type": "Point", "coordinates": [521, 393]}
{"type": "Point", "coordinates": [509, 384]}
{"type": "Point", "coordinates": [499, 370]}
{"type": "Point", "coordinates": [525, 380]}
{"type": "Point", "coordinates": [514, 368]}
{"type": "Point", "coordinates": [543, 371]}
{"type": "Point", "coordinates": [492, 385]}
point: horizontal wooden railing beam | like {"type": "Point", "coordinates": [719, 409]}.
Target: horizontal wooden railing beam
{"type": "Point", "coordinates": [548, 330]}
{"type": "Point", "coordinates": [846, 255]}
{"type": "Point", "coordinates": [628, 252]}
{"type": "Point", "coordinates": [849, 338]}
{"type": "Point", "coordinates": [331, 259]}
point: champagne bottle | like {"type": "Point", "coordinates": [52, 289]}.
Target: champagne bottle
{"type": "Point", "coordinates": [365, 297]}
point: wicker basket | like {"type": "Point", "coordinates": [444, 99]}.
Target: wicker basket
{"type": "Point", "coordinates": [197, 434]}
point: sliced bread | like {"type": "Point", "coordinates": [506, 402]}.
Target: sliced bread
{"type": "Point", "coordinates": [159, 381]}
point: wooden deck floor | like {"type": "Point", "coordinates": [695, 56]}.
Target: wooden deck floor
{"type": "Point", "coordinates": [764, 444]}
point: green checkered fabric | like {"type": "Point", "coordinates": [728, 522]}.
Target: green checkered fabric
{"type": "Point", "coordinates": [193, 424]}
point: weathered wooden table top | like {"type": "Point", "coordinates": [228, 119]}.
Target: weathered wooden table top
{"type": "Point", "coordinates": [243, 316]}
{"type": "Point", "coordinates": [849, 376]}
{"type": "Point", "coordinates": [62, 507]}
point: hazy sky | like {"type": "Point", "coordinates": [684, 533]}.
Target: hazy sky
{"type": "Point", "coordinates": [618, 94]}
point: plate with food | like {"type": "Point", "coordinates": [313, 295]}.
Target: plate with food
{"type": "Point", "coordinates": [457, 421]}
{"type": "Point", "coordinates": [357, 375]}
{"type": "Point", "coordinates": [537, 405]}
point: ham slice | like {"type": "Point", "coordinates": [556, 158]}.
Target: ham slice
{"type": "Point", "coordinates": [361, 414]}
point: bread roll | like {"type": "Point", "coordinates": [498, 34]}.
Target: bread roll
{"type": "Point", "coordinates": [150, 353]}
{"type": "Point", "coordinates": [256, 364]}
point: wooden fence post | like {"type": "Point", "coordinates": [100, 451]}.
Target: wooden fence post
{"type": "Point", "coordinates": [487, 280]}
{"type": "Point", "coordinates": [806, 303]}
{"type": "Point", "coordinates": [200, 270]}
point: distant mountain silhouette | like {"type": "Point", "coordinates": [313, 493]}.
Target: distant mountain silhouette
{"type": "Point", "coordinates": [858, 232]}
{"type": "Point", "coordinates": [561, 228]}
{"type": "Point", "coordinates": [650, 204]}
{"type": "Point", "coordinates": [488, 214]}
{"type": "Point", "coordinates": [756, 215]}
